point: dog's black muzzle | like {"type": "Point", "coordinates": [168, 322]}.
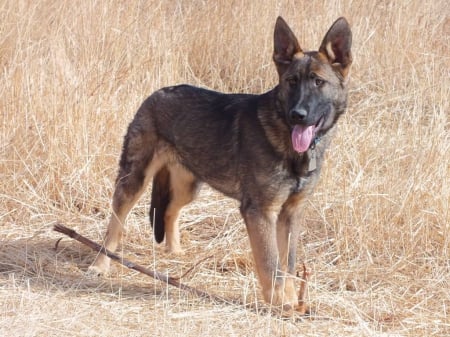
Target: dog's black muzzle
{"type": "Point", "coordinates": [301, 116]}
{"type": "Point", "coordinates": [298, 115]}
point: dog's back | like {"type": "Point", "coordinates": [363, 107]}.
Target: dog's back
{"type": "Point", "coordinates": [202, 129]}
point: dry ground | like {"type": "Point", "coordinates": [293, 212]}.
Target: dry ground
{"type": "Point", "coordinates": [376, 232]}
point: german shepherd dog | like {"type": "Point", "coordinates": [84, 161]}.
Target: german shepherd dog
{"type": "Point", "coordinates": [264, 150]}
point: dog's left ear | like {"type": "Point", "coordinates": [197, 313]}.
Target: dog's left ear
{"type": "Point", "coordinates": [285, 46]}
{"type": "Point", "coordinates": [336, 46]}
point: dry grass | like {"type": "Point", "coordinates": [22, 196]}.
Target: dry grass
{"type": "Point", "coordinates": [376, 232]}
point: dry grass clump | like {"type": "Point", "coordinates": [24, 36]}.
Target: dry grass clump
{"type": "Point", "coordinates": [376, 232]}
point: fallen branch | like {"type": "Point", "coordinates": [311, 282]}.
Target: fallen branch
{"type": "Point", "coordinates": [302, 307]}
{"type": "Point", "coordinates": [152, 273]}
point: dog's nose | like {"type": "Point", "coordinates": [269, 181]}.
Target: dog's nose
{"type": "Point", "coordinates": [298, 114]}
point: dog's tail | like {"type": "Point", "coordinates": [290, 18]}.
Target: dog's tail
{"type": "Point", "coordinates": [160, 199]}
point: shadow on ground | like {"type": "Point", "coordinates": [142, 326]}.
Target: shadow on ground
{"type": "Point", "coordinates": [42, 263]}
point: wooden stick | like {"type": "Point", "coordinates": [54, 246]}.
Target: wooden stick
{"type": "Point", "coordinates": [152, 273]}
{"type": "Point", "coordinates": [302, 307]}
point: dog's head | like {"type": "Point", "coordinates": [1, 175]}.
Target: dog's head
{"type": "Point", "coordinates": [313, 84]}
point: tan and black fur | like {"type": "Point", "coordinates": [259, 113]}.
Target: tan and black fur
{"type": "Point", "coordinates": [249, 147]}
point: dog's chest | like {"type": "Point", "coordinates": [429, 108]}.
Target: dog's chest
{"type": "Point", "coordinates": [302, 169]}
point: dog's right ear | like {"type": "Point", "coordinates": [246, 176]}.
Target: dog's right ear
{"type": "Point", "coordinates": [285, 46]}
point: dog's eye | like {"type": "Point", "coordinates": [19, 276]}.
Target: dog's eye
{"type": "Point", "coordinates": [292, 81]}
{"type": "Point", "coordinates": [318, 82]}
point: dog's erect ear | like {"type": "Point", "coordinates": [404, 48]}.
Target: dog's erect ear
{"type": "Point", "coordinates": [336, 46]}
{"type": "Point", "coordinates": [285, 45]}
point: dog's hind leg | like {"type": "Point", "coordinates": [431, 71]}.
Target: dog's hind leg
{"type": "Point", "coordinates": [139, 162]}
{"type": "Point", "coordinates": [174, 187]}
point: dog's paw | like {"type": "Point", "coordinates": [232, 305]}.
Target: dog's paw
{"type": "Point", "coordinates": [96, 271]}
{"type": "Point", "coordinates": [176, 251]}
{"type": "Point", "coordinates": [303, 309]}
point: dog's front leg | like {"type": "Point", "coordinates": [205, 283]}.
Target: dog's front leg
{"type": "Point", "coordinates": [261, 227]}
{"type": "Point", "coordinates": [288, 231]}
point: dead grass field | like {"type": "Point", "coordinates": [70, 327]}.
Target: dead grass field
{"type": "Point", "coordinates": [376, 232]}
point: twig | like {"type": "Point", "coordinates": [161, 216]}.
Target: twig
{"type": "Point", "coordinates": [152, 273]}
{"type": "Point", "coordinates": [302, 307]}
{"type": "Point", "coordinates": [192, 268]}
{"type": "Point", "coordinates": [57, 244]}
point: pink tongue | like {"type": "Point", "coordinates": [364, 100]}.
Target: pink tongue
{"type": "Point", "coordinates": [302, 137]}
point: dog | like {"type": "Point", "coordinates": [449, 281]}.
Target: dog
{"type": "Point", "coordinates": [264, 150]}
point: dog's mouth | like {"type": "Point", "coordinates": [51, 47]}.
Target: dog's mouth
{"type": "Point", "coordinates": [303, 135]}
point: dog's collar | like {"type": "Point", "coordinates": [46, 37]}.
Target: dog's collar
{"type": "Point", "coordinates": [312, 160]}
{"type": "Point", "coordinates": [314, 143]}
